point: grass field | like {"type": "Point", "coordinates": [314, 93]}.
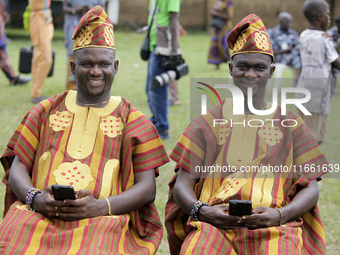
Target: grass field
{"type": "Point", "coordinates": [130, 83]}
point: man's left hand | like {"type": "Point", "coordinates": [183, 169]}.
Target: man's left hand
{"type": "Point", "coordinates": [262, 217]}
{"type": "Point", "coordinates": [85, 206]}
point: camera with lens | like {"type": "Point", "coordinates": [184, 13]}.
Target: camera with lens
{"type": "Point", "coordinates": [176, 67]}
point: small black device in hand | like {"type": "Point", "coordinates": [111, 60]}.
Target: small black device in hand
{"type": "Point", "coordinates": [239, 207]}
{"type": "Point", "coordinates": [62, 192]}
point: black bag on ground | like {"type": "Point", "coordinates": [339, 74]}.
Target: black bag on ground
{"type": "Point", "coordinates": [217, 22]}
{"type": "Point", "coordinates": [25, 60]}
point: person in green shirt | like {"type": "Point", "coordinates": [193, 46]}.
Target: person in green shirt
{"type": "Point", "coordinates": [163, 44]}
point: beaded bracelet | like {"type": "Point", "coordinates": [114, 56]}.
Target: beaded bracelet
{"type": "Point", "coordinates": [196, 208]}
{"type": "Point", "coordinates": [30, 196]}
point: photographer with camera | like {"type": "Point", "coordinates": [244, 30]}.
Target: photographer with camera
{"type": "Point", "coordinates": [165, 60]}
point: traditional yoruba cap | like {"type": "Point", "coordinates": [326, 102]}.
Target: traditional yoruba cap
{"type": "Point", "coordinates": [250, 36]}
{"type": "Point", "coordinates": [94, 30]}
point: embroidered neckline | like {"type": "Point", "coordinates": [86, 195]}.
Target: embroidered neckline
{"type": "Point", "coordinates": [72, 106]}
{"type": "Point", "coordinates": [85, 125]}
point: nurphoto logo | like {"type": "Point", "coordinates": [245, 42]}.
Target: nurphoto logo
{"type": "Point", "coordinates": [238, 99]}
{"type": "Point", "coordinates": [239, 102]}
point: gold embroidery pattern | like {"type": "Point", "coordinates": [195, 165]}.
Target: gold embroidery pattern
{"type": "Point", "coordinates": [261, 41]}
{"type": "Point", "coordinates": [60, 120]}
{"type": "Point", "coordinates": [86, 124]}
{"type": "Point", "coordinates": [111, 126]}
{"type": "Point", "coordinates": [43, 170]}
{"type": "Point", "coordinates": [230, 186]}
{"type": "Point", "coordinates": [111, 177]}
{"type": "Point", "coordinates": [223, 133]}
{"type": "Point", "coordinates": [108, 34]}
{"type": "Point", "coordinates": [85, 36]}
{"type": "Point", "coordinates": [270, 135]}
{"type": "Point", "coordinates": [240, 42]}
{"type": "Point", "coordinates": [75, 174]}
{"type": "Point", "coordinates": [262, 189]}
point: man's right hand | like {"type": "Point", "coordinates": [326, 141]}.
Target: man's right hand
{"type": "Point", "coordinates": [218, 216]}
{"type": "Point", "coordinates": [45, 204]}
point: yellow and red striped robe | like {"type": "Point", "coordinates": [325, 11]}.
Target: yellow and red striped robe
{"type": "Point", "coordinates": [238, 146]}
{"type": "Point", "coordinates": [94, 148]}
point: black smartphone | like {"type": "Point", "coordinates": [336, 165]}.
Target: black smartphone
{"type": "Point", "coordinates": [239, 207]}
{"type": "Point", "coordinates": [62, 192]}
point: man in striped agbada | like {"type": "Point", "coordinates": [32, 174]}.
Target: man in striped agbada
{"type": "Point", "coordinates": [99, 144]}
{"type": "Point", "coordinates": [271, 165]}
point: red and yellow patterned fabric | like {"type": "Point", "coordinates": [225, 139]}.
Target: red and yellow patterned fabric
{"type": "Point", "coordinates": [250, 35]}
{"type": "Point", "coordinates": [203, 145]}
{"type": "Point", "coordinates": [81, 154]}
{"type": "Point", "coordinates": [94, 30]}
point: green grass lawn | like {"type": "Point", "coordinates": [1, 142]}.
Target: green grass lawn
{"type": "Point", "coordinates": [130, 83]}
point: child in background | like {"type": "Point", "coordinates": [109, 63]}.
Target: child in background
{"type": "Point", "coordinates": [318, 56]}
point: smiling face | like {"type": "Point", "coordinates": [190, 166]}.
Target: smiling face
{"type": "Point", "coordinates": [94, 69]}
{"type": "Point", "coordinates": [252, 70]}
